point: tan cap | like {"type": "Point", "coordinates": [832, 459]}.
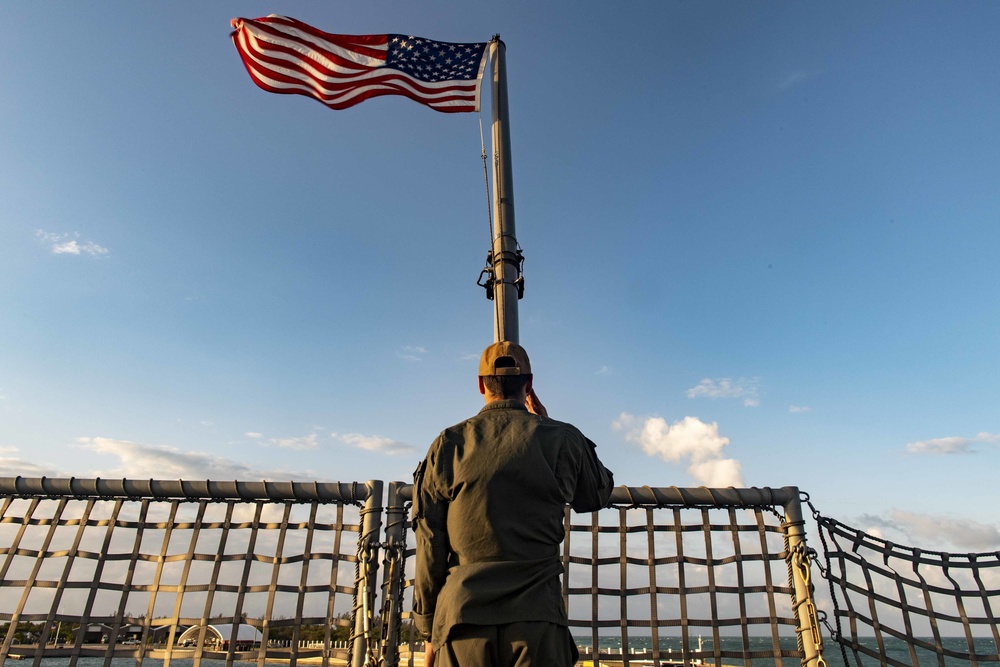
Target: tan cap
{"type": "Point", "coordinates": [504, 358]}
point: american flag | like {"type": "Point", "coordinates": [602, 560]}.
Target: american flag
{"type": "Point", "coordinates": [283, 55]}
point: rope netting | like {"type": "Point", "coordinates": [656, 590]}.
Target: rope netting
{"type": "Point", "coordinates": [670, 576]}
{"type": "Point", "coordinates": [663, 576]}
{"type": "Point", "coordinates": [658, 579]}
{"type": "Point", "coordinates": [903, 606]}
{"type": "Point", "coordinates": [107, 574]}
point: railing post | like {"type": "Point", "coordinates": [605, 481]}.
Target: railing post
{"type": "Point", "coordinates": [365, 583]}
{"type": "Point", "coordinates": [394, 575]}
{"type": "Point", "coordinates": [805, 607]}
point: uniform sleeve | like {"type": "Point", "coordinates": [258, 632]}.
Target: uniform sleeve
{"type": "Point", "coordinates": [430, 517]}
{"type": "Point", "coordinates": [594, 482]}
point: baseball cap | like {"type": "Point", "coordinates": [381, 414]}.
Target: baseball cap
{"type": "Point", "coordinates": [504, 358]}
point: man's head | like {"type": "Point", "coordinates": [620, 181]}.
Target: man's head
{"type": "Point", "coordinates": [504, 372]}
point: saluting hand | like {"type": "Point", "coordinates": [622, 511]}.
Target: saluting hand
{"type": "Point", "coordinates": [534, 405]}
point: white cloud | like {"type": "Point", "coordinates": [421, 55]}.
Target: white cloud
{"type": "Point", "coordinates": [799, 408]}
{"type": "Point", "coordinates": [411, 353]}
{"type": "Point", "coordinates": [375, 443]}
{"type": "Point", "coordinates": [951, 445]}
{"type": "Point", "coordinates": [67, 244]}
{"type": "Point", "coordinates": [304, 442]}
{"type": "Point", "coordinates": [941, 446]}
{"type": "Point", "coordinates": [742, 388]}
{"type": "Point", "coordinates": [254, 435]}
{"type": "Point", "coordinates": [141, 461]}
{"type": "Point", "coordinates": [718, 473]}
{"type": "Point", "coordinates": [14, 467]}
{"type": "Point", "coordinates": [11, 467]}
{"type": "Point", "coordinates": [604, 370]}
{"type": "Point", "coordinates": [933, 531]}
{"type": "Point", "coordinates": [689, 439]}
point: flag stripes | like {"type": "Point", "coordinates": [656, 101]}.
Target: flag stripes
{"type": "Point", "coordinates": [286, 56]}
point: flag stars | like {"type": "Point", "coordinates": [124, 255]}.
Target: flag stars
{"type": "Point", "coordinates": [432, 61]}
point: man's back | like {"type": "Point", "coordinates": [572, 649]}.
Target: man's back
{"type": "Point", "coordinates": [507, 476]}
{"type": "Point", "coordinates": [488, 507]}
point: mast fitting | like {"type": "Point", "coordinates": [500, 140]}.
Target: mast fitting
{"type": "Point", "coordinates": [488, 276]}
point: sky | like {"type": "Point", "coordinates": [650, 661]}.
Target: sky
{"type": "Point", "coordinates": [760, 245]}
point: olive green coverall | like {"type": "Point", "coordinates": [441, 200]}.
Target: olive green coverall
{"type": "Point", "coordinates": [488, 510]}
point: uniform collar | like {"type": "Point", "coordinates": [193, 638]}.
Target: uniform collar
{"type": "Point", "coordinates": [504, 404]}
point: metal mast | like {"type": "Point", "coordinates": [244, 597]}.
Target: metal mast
{"type": "Point", "coordinates": [505, 256]}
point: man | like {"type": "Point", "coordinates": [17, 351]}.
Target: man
{"type": "Point", "coordinates": [488, 505]}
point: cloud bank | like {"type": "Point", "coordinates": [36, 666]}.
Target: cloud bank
{"type": "Point", "coordinates": [698, 443]}
{"type": "Point", "coordinates": [135, 460]}
{"type": "Point", "coordinates": [12, 466]}
{"type": "Point", "coordinates": [141, 461]}
{"type": "Point", "coordinates": [932, 531]}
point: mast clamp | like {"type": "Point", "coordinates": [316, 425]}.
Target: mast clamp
{"type": "Point", "coordinates": [488, 278]}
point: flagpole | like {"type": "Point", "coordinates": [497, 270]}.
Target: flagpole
{"type": "Point", "coordinates": [505, 256]}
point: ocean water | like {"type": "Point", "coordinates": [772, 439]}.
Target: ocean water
{"type": "Point", "coordinates": [895, 650]}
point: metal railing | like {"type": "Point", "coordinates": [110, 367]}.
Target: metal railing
{"type": "Point", "coordinates": [265, 571]}
{"type": "Point", "coordinates": [133, 563]}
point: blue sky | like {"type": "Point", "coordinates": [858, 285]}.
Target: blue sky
{"type": "Point", "coordinates": [760, 246]}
